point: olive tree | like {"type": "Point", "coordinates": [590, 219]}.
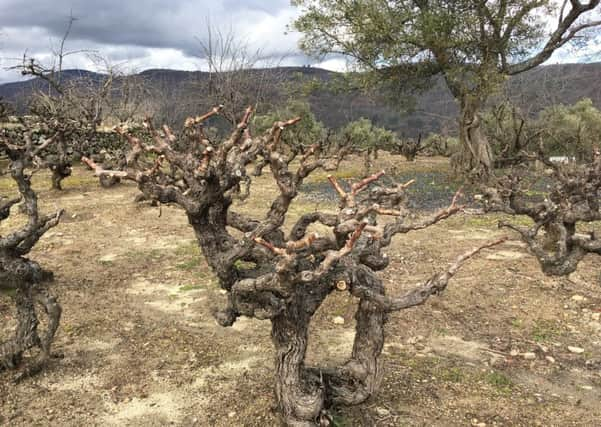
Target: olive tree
{"type": "Point", "coordinates": [473, 44]}
{"type": "Point", "coordinates": [362, 135]}
{"type": "Point", "coordinates": [512, 132]}
{"type": "Point", "coordinates": [572, 130]}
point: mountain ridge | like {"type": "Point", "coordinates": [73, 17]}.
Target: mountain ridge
{"type": "Point", "coordinates": [434, 109]}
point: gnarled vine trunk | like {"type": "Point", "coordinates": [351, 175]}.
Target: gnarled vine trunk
{"type": "Point", "coordinates": [21, 274]}
{"type": "Point", "coordinates": [572, 202]}
{"type": "Point", "coordinates": [60, 171]}
{"type": "Point", "coordinates": [300, 396]}
{"type": "Point", "coordinates": [293, 273]}
{"type": "Point", "coordinates": [30, 299]}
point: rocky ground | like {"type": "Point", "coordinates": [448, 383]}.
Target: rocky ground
{"type": "Point", "coordinates": [504, 345]}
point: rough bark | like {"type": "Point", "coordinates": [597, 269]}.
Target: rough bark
{"type": "Point", "coordinates": [293, 273]}
{"type": "Point", "coordinates": [573, 199]}
{"type": "Point", "coordinates": [60, 171]}
{"type": "Point", "coordinates": [476, 155]}
{"type": "Point", "coordinates": [21, 274]}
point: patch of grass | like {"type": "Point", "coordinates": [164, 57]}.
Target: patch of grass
{"type": "Point", "coordinates": [190, 264]}
{"type": "Point", "coordinates": [189, 249]}
{"type": "Point", "coordinates": [544, 330]}
{"type": "Point", "coordinates": [80, 181]}
{"type": "Point", "coordinates": [7, 185]}
{"type": "Point", "coordinates": [244, 265]}
{"type": "Point", "coordinates": [517, 323]}
{"type": "Point", "coordinates": [423, 366]}
{"type": "Point", "coordinates": [492, 220]}
{"type": "Point", "coordinates": [206, 279]}
{"type": "Point", "coordinates": [442, 332]}
{"type": "Point", "coordinates": [339, 420]}
{"type": "Point", "coordinates": [338, 311]}
{"type": "Point", "coordinates": [145, 255]}
{"type": "Point", "coordinates": [454, 375]}
{"type": "Point", "coordinates": [11, 292]}
{"type": "Point", "coordinates": [155, 253]}
{"type": "Point", "coordinates": [188, 288]}
{"type": "Point", "coordinates": [499, 381]}
{"type": "Point", "coordinates": [343, 172]}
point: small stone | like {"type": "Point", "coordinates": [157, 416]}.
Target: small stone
{"type": "Point", "coordinates": [576, 350]}
{"type": "Point", "coordinates": [595, 325]}
{"type": "Point", "coordinates": [222, 291]}
{"type": "Point", "coordinates": [529, 356]}
{"type": "Point", "coordinates": [586, 387]}
{"type": "Point", "coordinates": [578, 298]}
{"type": "Point", "coordinates": [577, 279]}
{"type": "Point", "coordinates": [382, 412]}
{"type": "Point", "coordinates": [543, 348]}
{"type": "Point", "coordinates": [596, 316]}
{"type": "Point", "coordinates": [108, 258]}
{"type": "Point", "coordinates": [231, 414]}
{"type": "Point", "coordinates": [514, 353]}
{"type": "Point", "coordinates": [338, 320]}
{"type": "Point", "coordinates": [550, 359]}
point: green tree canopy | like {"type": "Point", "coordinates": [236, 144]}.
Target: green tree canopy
{"type": "Point", "coordinates": [571, 130]}
{"type": "Point", "coordinates": [363, 134]}
{"type": "Point", "coordinates": [305, 133]}
{"type": "Point", "coordinates": [474, 44]}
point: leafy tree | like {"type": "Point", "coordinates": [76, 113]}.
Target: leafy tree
{"type": "Point", "coordinates": [512, 132]}
{"type": "Point", "coordinates": [571, 130]}
{"type": "Point", "coordinates": [474, 44]}
{"type": "Point", "coordinates": [363, 135]}
{"type": "Point", "coordinates": [441, 145]}
{"type": "Point", "coordinates": [306, 133]}
{"type": "Point", "coordinates": [564, 130]}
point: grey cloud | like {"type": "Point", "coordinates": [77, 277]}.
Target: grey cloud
{"type": "Point", "coordinates": [150, 23]}
{"type": "Point", "coordinates": [147, 32]}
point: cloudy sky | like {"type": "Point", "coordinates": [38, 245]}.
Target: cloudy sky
{"type": "Point", "coordinates": [143, 34]}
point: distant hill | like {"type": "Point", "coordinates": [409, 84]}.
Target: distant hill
{"type": "Point", "coordinates": [433, 110]}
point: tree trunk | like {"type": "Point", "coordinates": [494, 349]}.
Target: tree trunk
{"type": "Point", "coordinates": [300, 396]}
{"type": "Point", "coordinates": [27, 335]}
{"type": "Point", "coordinates": [476, 156]}
{"type": "Point", "coordinates": [305, 393]}
{"type": "Point", "coordinates": [107, 181]}
{"type": "Point", "coordinates": [367, 165]}
{"type": "Point", "coordinates": [60, 171]}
